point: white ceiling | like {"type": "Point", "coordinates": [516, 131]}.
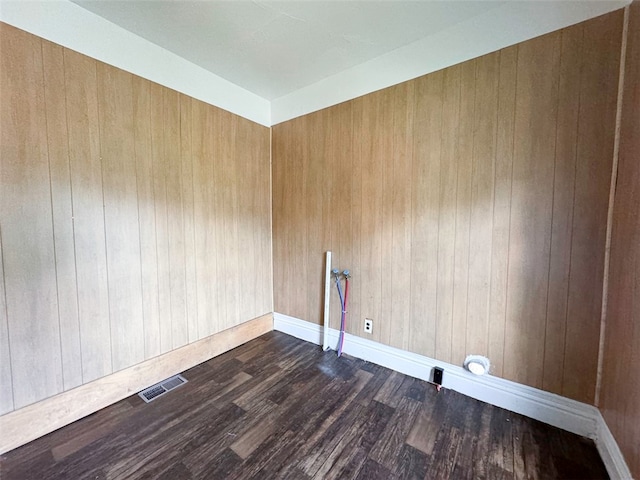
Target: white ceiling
{"type": "Point", "coordinates": [273, 48]}
{"type": "Point", "coordinates": [271, 61]}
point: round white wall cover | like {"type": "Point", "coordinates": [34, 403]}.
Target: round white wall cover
{"type": "Point", "coordinates": [477, 364]}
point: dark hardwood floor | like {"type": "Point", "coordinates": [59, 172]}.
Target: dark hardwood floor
{"type": "Point", "coordinates": [278, 407]}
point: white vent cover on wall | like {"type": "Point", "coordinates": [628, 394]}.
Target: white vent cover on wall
{"type": "Point", "coordinates": [477, 364]}
{"type": "Point", "coordinates": [159, 389]}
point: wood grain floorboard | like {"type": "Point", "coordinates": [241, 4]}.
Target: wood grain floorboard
{"type": "Point", "coordinates": [280, 408]}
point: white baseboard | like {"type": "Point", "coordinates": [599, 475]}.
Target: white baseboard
{"type": "Point", "coordinates": [610, 452]}
{"type": "Point", "coordinates": [573, 416]}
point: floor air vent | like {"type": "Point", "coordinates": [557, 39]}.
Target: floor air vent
{"type": "Point", "coordinates": [159, 389]}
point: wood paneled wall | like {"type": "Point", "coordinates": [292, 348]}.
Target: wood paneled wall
{"type": "Point", "coordinates": [470, 205]}
{"type": "Point", "coordinates": [133, 219]}
{"type": "Point", "coordinates": [620, 389]}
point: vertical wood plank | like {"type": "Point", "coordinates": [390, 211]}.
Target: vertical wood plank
{"type": "Point", "coordinates": [236, 173]}
{"type": "Point", "coordinates": [620, 390]}
{"type": "Point", "coordinates": [464, 152]}
{"type": "Point", "coordinates": [598, 97]}
{"type": "Point", "coordinates": [88, 214]}
{"type": "Point", "coordinates": [220, 147]}
{"type": "Point", "coordinates": [502, 207]}
{"type": "Point", "coordinates": [61, 201]}
{"type": "Point", "coordinates": [531, 208]}
{"type": "Point", "coordinates": [331, 205]}
{"type": "Point", "coordinates": [266, 230]}
{"type": "Point", "coordinates": [25, 206]}
{"type": "Point", "coordinates": [246, 191]}
{"type": "Point", "coordinates": [115, 106]}
{"type": "Point", "coordinates": [160, 176]}
{"type": "Point", "coordinates": [345, 194]}
{"type": "Point", "coordinates": [261, 216]}
{"type": "Point", "coordinates": [318, 175]}
{"type": "Point", "coordinates": [146, 215]}
{"type": "Point", "coordinates": [330, 233]}
{"type": "Point", "coordinates": [386, 322]}
{"type": "Point", "coordinates": [447, 195]}
{"type": "Point", "coordinates": [425, 189]}
{"type": "Point", "coordinates": [227, 228]}
{"type": "Point", "coordinates": [226, 233]}
{"type": "Point", "coordinates": [355, 303]}
{"type": "Point", "coordinates": [310, 165]}
{"type": "Point", "coordinates": [402, 98]}
{"type": "Point", "coordinates": [330, 226]}
{"type": "Point", "coordinates": [186, 159]}
{"type": "Point", "coordinates": [482, 203]}
{"type": "Point", "coordinates": [202, 205]}
{"type": "Point", "coordinates": [370, 122]}
{"type": "Point", "coordinates": [175, 217]}
{"type": "Point", "coordinates": [340, 220]}
{"type": "Point", "coordinates": [563, 198]}
{"type": "Point", "coordinates": [215, 218]}
{"type": "Point", "coordinates": [281, 137]}
{"type": "Point", "coordinates": [317, 180]}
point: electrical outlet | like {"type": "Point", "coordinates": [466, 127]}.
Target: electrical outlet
{"type": "Point", "coordinates": [368, 325]}
{"type": "Point", "coordinates": [438, 373]}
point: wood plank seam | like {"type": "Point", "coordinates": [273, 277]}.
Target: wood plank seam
{"type": "Point", "coordinates": [612, 199]}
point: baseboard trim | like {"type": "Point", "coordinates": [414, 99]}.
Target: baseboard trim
{"type": "Point", "coordinates": [561, 412]}
{"type": "Point", "coordinates": [610, 451]}
{"type": "Point", "coordinates": [33, 421]}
